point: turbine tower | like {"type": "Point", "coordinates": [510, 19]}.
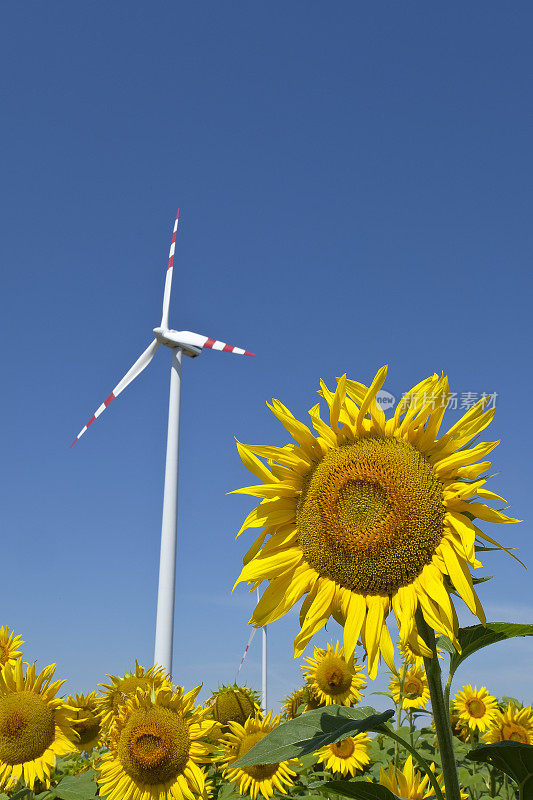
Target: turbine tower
{"type": "Point", "coordinates": [191, 344]}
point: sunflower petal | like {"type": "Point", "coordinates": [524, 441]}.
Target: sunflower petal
{"type": "Point", "coordinates": [253, 464]}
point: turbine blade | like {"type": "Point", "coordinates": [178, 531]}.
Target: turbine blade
{"type": "Point", "coordinates": [197, 340]}
{"type": "Point", "coordinates": [141, 363]}
{"type": "Point", "coordinates": [168, 279]}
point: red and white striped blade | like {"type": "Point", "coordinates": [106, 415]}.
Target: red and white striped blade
{"type": "Point", "coordinates": [197, 340]}
{"type": "Point", "coordinates": [136, 370]}
{"type": "Point", "coordinates": [170, 270]}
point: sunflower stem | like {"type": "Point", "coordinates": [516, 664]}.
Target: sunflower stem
{"type": "Point", "coordinates": [492, 782]}
{"type": "Point", "coordinates": [419, 759]}
{"type": "Point", "coordinates": [447, 689]}
{"type": "Point", "coordinates": [441, 715]}
{"type": "Point", "coordinates": [411, 728]}
{"type": "Point", "coordinates": [399, 722]}
{"type": "Point", "coordinates": [475, 742]}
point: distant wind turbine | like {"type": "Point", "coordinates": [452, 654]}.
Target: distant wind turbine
{"type": "Point", "coordinates": [191, 344]}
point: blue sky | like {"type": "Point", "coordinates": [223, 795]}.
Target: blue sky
{"type": "Point", "coordinates": [355, 186]}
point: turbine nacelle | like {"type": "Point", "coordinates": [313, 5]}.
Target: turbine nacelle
{"type": "Point", "coordinates": [182, 339]}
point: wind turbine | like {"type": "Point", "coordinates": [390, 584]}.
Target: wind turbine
{"type": "Point", "coordinates": [191, 344]}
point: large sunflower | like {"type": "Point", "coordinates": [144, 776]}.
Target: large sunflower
{"type": "Point", "coordinates": [410, 686]}
{"type": "Point", "coordinates": [262, 778]}
{"type": "Point", "coordinates": [334, 678]}
{"type": "Point", "coordinates": [475, 708]}
{"type": "Point", "coordinates": [85, 721]}
{"type": "Point", "coordinates": [9, 646]}
{"type": "Point", "coordinates": [370, 515]}
{"type": "Point", "coordinates": [34, 725]}
{"type": "Point", "coordinates": [349, 755]}
{"type": "Point", "coordinates": [511, 725]}
{"type": "Point", "coordinates": [115, 694]}
{"type": "Point", "coordinates": [156, 744]}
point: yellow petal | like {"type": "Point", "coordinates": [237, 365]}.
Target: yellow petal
{"type": "Point", "coordinates": [487, 495]}
{"type": "Point", "coordinates": [449, 464]}
{"type": "Point", "coordinates": [386, 648]}
{"type": "Point", "coordinates": [354, 610]}
{"type": "Point", "coordinates": [289, 455]}
{"type": "Point", "coordinates": [338, 398]}
{"type": "Point", "coordinates": [320, 426]}
{"type": "Point", "coordinates": [268, 490]}
{"type": "Point", "coordinates": [252, 463]}
{"type": "Point", "coordinates": [465, 529]}
{"type": "Point", "coordinates": [299, 432]}
{"type": "Point", "coordinates": [481, 511]}
{"type": "Point", "coordinates": [317, 615]}
{"type": "Point", "coordinates": [459, 575]}
{"type": "Point", "coordinates": [371, 633]}
{"type": "Point", "coordinates": [269, 512]}
{"type": "Point", "coordinates": [369, 403]}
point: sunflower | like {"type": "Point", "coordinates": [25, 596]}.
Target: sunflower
{"type": "Point", "coordinates": [9, 647]}
{"type": "Point", "coordinates": [334, 678]}
{"type": "Point", "coordinates": [409, 782]}
{"type": "Point", "coordinates": [311, 698]}
{"type": "Point", "coordinates": [85, 721]}
{"type": "Point", "coordinates": [511, 725]}
{"type": "Point", "coordinates": [156, 744]}
{"type": "Point", "coordinates": [262, 778]}
{"type": "Point", "coordinates": [233, 703]}
{"type": "Point", "coordinates": [475, 709]}
{"type": "Point", "coordinates": [459, 729]}
{"type": "Point", "coordinates": [305, 695]}
{"type": "Point", "coordinates": [370, 515]}
{"type": "Point", "coordinates": [35, 726]}
{"type": "Point", "coordinates": [411, 686]}
{"type": "Point", "coordinates": [115, 694]}
{"type": "Point", "coordinates": [349, 755]}
{"type": "Point", "coordinates": [292, 703]}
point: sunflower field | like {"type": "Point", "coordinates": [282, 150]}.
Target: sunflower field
{"type": "Point", "coordinates": [371, 521]}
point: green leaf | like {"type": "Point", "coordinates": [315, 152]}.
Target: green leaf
{"type": "Point", "coordinates": [513, 758]}
{"type": "Point", "coordinates": [312, 730]}
{"type": "Point", "coordinates": [361, 790]}
{"type": "Point", "coordinates": [310, 796]}
{"type": "Point", "coordinates": [77, 787]}
{"type": "Point", "coordinates": [307, 762]}
{"type": "Point", "coordinates": [475, 637]}
{"type": "Point", "coordinates": [227, 790]}
{"type": "Point", "coordinates": [506, 700]}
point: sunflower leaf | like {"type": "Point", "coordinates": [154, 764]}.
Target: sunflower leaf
{"type": "Point", "coordinates": [20, 794]}
{"type": "Point", "coordinates": [513, 758]}
{"type": "Point", "coordinates": [361, 790]}
{"type": "Point", "coordinates": [475, 637]}
{"type": "Point", "coordinates": [77, 787]}
{"type": "Point", "coordinates": [506, 700]}
{"type": "Point", "coordinates": [475, 581]}
{"type": "Point", "coordinates": [311, 731]}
